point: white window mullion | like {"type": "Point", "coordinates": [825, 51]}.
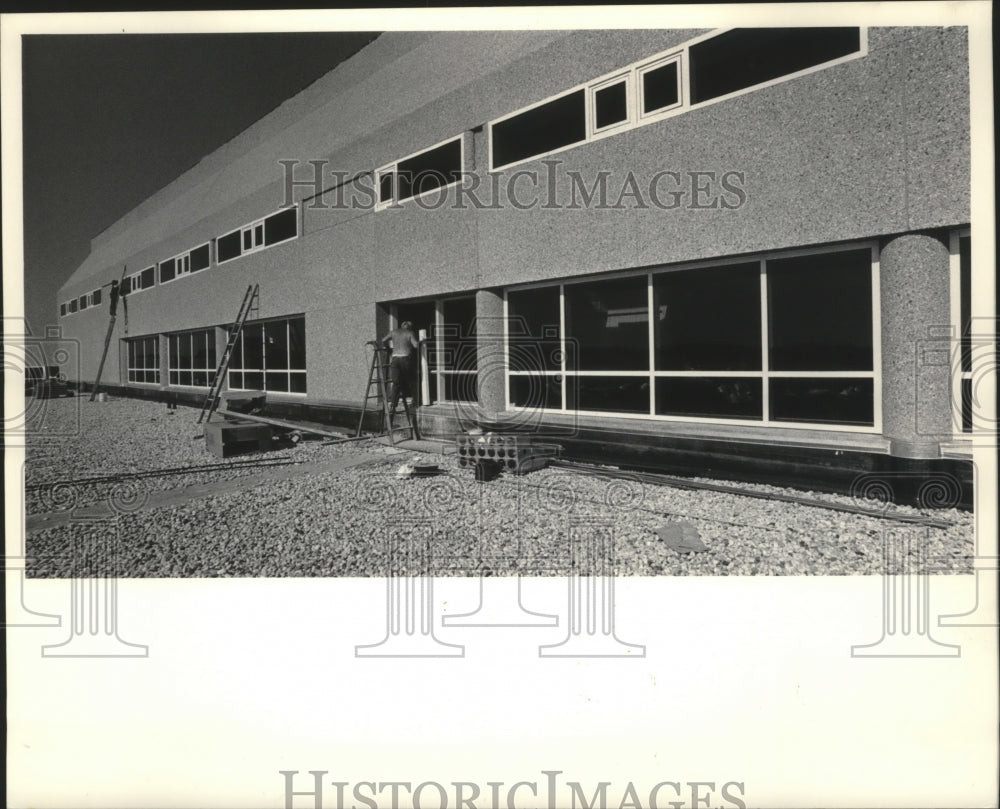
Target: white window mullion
{"type": "Point", "coordinates": [562, 342]}
{"type": "Point", "coordinates": [765, 396]}
{"type": "Point", "coordinates": [652, 345]}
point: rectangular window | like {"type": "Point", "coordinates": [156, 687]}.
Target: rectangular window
{"type": "Point", "coordinates": [270, 356]}
{"type": "Point", "coordinates": [702, 320]}
{"type": "Point", "coordinates": [281, 227]}
{"type": "Point", "coordinates": [821, 312]}
{"type": "Point", "coordinates": [610, 103]}
{"type": "Point", "coordinates": [168, 270]}
{"type": "Point", "coordinates": [95, 297]}
{"type": "Point", "coordinates": [608, 321]}
{"type": "Point", "coordinates": [200, 258]}
{"type": "Point", "coordinates": [145, 279]}
{"type": "Point", "coordinates": [62, 310]}
{"type": "Point", "coordinates": [191, 358]}
{"type": "Point", "coordinates": [82, 302]}
{"type": "Point", "coordinates": [745, 57]}
{"type": "Point", "coordinates": [456, 364]}
{"type": "Point", "coordinates": [144, 360]}
{"type": "Point", "coordinates": [550, 126]}
{"type": "Point", "coordinates": [74, 305]}
{"type": "Point", "coordinates": [788, 340]}
{"type": "Point", "coordinates": [429, 170]}
{"type": "Point", "coordinates": [228, 246]}
{"type": "Point", "coordinates": [660, 84]}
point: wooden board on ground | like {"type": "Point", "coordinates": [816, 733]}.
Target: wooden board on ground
{"type": "Point", "coordinates": [287, 425]}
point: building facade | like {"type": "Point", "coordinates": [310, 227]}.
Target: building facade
{"type": "Point", "coordinates": [718, 243]}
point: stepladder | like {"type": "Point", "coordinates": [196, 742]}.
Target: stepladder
{"type": "Point", "coordinates": [380, 389]}
{"type": "Point", "coordinates": [219, 380]}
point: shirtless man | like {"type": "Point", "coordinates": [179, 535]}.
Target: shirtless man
{"type": "Point", "coordinates": [401, 365]}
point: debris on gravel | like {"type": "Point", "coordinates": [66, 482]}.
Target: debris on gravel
{"type": "Point", "coordinates": [367, 520]}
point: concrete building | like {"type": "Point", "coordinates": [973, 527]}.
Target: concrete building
{"type": "Point", "coordinates": [736, 252]}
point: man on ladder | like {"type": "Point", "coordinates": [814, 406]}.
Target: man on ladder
{"type": "Point", "coordinates": [402, 369]}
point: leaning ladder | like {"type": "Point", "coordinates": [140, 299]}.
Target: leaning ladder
{"type": "Point", "coordinates": [212, 399]}
{"type": "Point", "coordinates": [107, 342]}
{"type": "Point", "coordinates": [377, 377]}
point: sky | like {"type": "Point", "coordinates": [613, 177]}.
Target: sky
{"type": "Point", "coordinates": [109, 120]}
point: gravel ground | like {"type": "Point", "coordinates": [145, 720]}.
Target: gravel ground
{"type": "Point", "coordinates": [341, 523]}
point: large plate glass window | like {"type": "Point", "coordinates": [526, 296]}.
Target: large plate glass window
{"type": "Point", "coordinates": [191, 358]}
{"type": "Point", "coordinates": [542, 129]}
{"type": "Point", "coordinates": [143, 360]}
{"type": "Point", "coordinates": [271, 356]}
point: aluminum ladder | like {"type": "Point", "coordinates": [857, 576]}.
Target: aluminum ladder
{"type": "Point", "coordinates": [215, 390]}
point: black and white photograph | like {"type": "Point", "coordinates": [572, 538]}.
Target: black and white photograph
{"type": "Point", "coordinates": [569, 407]}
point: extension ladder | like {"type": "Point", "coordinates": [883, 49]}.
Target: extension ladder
{"type": "Point", "coordinates": [377, 377]}
{"type": "Point", "coordinates": [107, 337]}
{"type": "Point", "coordinates": [215, 390]}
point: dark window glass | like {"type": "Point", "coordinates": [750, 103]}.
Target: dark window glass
{"type": "Point", "coordinates": [253, 380]}
{"type": "Point", "coordinates": [184, 355]}
{"type": "Point", "coordinates": [458, 335]}
{"type": "Point", "coordinates": [276, 381]}
{"type": "Point", "coordinates": [200, 378]}
{"type": "Point", "coordinates": [553, 125]}
{"type": "Point", "coordinates": [460, 388]}
{"type": "Point", "coordinates": [297, 343]}
{"type": "Point", "coordinates": [174, 377]}
{"type": "Point", "coordinates": [248, 239]}
{"type": "Point", "coordinates": [429, 170]}
{"type": "Point", "coordinates": [235, 379]}
{"type": "Point", "coordinates": [965, 300]}
{"type": "Point", "coordinates": [276, 345]}
{"type": "Point", "coordinates": [62, 309]}
{"type": "Point", "coordinates": [708, 319]}
{"type": "Point", "coordinates": [83, 302]}
{"type": "Point", "coordinates": [281, 226]}
{"type": "Point", "coordinates": [200, 258]}
{"type": "Point", "coordinates": [536, 391]}
{"type": "Point", "coordinates": [385, 187]}
{"type": "Point", "coordinates": [96, 298]}
{"type": "Point", "coordinates": [258, 235]}
{"type": "Point", "coordinates": [708, 397]}
{"type": "Point", "coordinates": [199, 349]}
{"type": "Point", "coordinates": [966, 405]}
{"type": "Point", "coordinates": [297, 383]}
{"type": "Point", "coordinates": [228, 246]}
{"type": "Point", "coordinates": [421, 314]}
{"type": "Point", "coordinates": [609, 324]}
{"type": "Point", "coordinates": [147, 278]}
{"type": "Point", "coordinates": [744, 57]}
{"type": "Point", "coordinates": [533, 330]}
{"type": "Point", "coordinates": [253, 347]}
{"type": "Point", "coordinates": [167, 270]}
{"type": "Point", "coordinates": [820, 312]}
{"type": "Point", "coordinates": [74, 305]}
{"type": "Point", "coordinates": [823, 400]}
{"type": "Point", "coordinates": [186, 378]}
{"type": "Point", "coordinates": [612, 394]}
{"type": "Point", "coordinates": [610, 105]}
{"type": "Point", "coordinates": [659, 87]}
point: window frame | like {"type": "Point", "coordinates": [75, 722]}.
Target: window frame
{"type": "Point", "coordinates": [392, 169]}
{"type": "Point", "coordinates": [633, 73]}
{"type": "Point", "coordinates": [958, 375]}
{"type": "Point", "coordinates": [765, 374]}
{"type": "Point", "coordinates": [289, 371]}
{"type": "Point", "coordinates": [154, 339]}
{"type": "Point", "coordinates": [213, 365]}
{"type": "Point", "coordinates": [251, 229]}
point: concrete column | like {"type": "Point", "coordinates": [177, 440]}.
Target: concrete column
{"type": "Point", "coordinates": [490, 352]}
{"type": "Point", "coordinates": [916, 386]}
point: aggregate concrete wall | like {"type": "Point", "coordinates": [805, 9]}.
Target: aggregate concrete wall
{"type": "Point", "coordinates": [877, 145]}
